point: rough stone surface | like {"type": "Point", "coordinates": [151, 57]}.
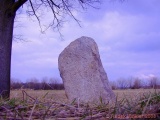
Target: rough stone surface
{"type": "Point", "coordinates": [82, 72]}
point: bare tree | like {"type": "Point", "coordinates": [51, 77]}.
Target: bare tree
{"type": "Point", "coordinates": [8, 9]}
{"type": "Point", "coordinates": [130, 81]}
{"type": "Point", "coordinates": [137, 83]}
{"type": "Point", "coordinates": [113, 85]}
{"type": "Point", "coordinates": [153, 82]}
{"type": "Point", "coordinates": [122, 83]}
{"type": "Point", "coordinates": [15, 83]}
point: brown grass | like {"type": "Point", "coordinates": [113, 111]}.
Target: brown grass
{"type": "Point", "coordinates": [59, 95]}
{"type": "Point", "coordinates": [55, 95]}
{"type": "Point", "coordinates": [133, 93]}
{"type": "Point", "coordinates": [53, 105]}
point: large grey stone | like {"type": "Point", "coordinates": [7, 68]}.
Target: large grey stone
{"type": "Point", "coordinates": [82, 72]}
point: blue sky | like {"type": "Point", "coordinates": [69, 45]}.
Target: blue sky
{"type": "Point", "coordinates": [127, 34]}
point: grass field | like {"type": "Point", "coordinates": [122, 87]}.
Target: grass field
{"type": "Point", "coordinates": [53, 105]}
{"type": "Point", "coordinates": [59, 95]}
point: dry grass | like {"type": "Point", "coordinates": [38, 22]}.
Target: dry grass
{"type": "Point", "coordinates": [55, 95]}
{"type": "Point", "coordinates": [133, 93]}
{"type": "Point", "coordinates": [59, 95]}
{"type": "Point", "coordinates": [53, 104]}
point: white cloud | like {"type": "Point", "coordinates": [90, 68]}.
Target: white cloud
{"type": "Point", "coordinates": [146, 77]}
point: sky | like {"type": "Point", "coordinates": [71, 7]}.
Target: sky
{"type": "Point", "coordinates": [127, 34]}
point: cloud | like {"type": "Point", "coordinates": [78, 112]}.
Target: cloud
{"type": "Point", "coordinates": [128, 41]}
{"type": "Point", "coordinates": [146, 77]}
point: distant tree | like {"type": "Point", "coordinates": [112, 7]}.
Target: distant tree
{"type": "Point", "coordinates": [130, 81]}
{"type": "Point", "coordinates": [44, 84]}
{"type": "Point", "coordinates": [8, 9]}
{"type": "Point", "coordinates": [15, 84]}
{"type": "Point", "coordinates": [153, 82]}
{"type": "Point", "coordinates": [122, 83]}
{"type": "Point", "coordinates": [113, 85]}
{"type": "Point", "coordinates": [137, 83]}
{"type": "Point", "coordinates": [31, 84]}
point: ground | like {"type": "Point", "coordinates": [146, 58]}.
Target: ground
{"type": "Point", "coordinates": [59, 95]}
{"type": "Point", "coordinates": [53, 105]}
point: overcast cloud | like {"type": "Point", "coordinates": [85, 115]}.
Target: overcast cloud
{"type": "Point", "coordinates": [127, 34]}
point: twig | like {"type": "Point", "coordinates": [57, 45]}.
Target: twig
{"type": "Point", "coordinates": [27, 95]}
{"type": "Point", "coordinates": [144, 109]}
{"type": "Point", "coordinates": [30, 117]}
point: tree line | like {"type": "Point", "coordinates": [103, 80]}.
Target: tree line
{"type": "Point", "coordinates": [136, 83]}
{"type": "Point", "coordinates": [35, 84]}
{"type": "Point", "coordinates": [56, 84]}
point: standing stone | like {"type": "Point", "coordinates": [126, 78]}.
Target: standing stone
{"type": "Point", "coordinates": [82, 72]}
